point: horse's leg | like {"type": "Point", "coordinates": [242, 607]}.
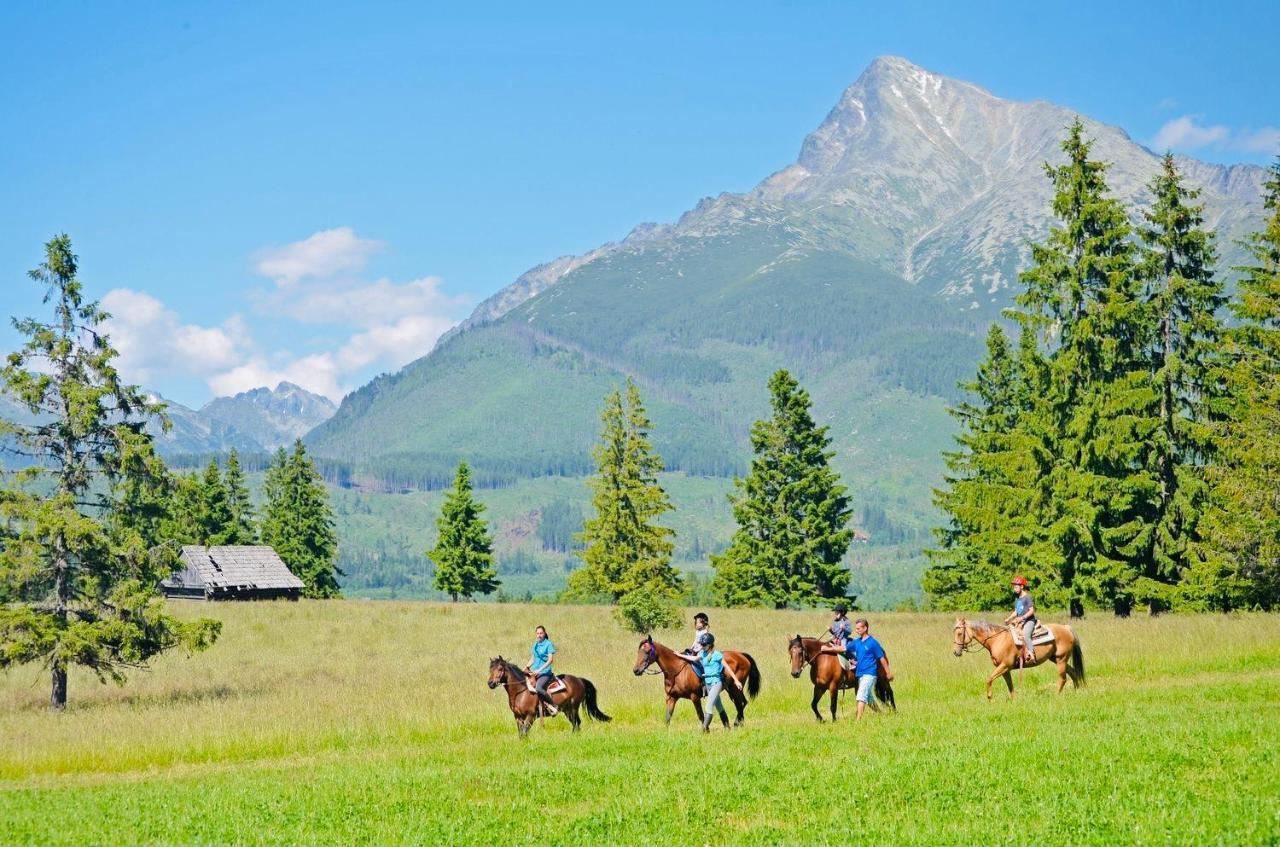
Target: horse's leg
{"type": "Point", "coordinates": [1001, 669]}
{"type": "Point", "coordinates": [817, 695]}
{"type": "Point", "coordinates": [697, 707]}
{"type": "Point", "coordinates": [1062, 672]}
{"type": "Point", "coordinates": [575, 720]}
{"type": "Point", "coordinates": [1008, 681]}
{"type": "Point", "coordinates": [671, 707]}
{"type": "Point", "coordinates": [834, 691]}
{"type": "Point", "coordinates": [740, 704]}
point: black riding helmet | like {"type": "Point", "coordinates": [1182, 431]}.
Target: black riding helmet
{"type": "Point", "coordinates": [706, 639]}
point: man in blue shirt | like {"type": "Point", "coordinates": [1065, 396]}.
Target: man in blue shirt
{"type": "Point", "coordinates": [868, 659]}
{"type": "Point", "coordinates": [539, 667]}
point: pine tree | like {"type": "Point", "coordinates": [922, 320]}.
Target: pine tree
{"type": "Point", "coordinates": [992, 486]}
{"type": "Point", "coordinates": [1185, 299]}
{"type": "Point", "coordinates": [624, 548]}
{"type": "Point", "coordinates": [791, 510]}
{"type": "Point", "coordinates": [240, 529]}
{"type": "Point", "coordinates": [1098, 414]}
{"type": "Point", "coordinates": [1245, 517]}
{"type": "Point", "coordinates": [298, 522]}
{"type": "Point", "coordinates": [78, 588]}
{"type": "Point", "coordinates": [463, 554]}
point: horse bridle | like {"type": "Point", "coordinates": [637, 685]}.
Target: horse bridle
{"type": "Point", "coordinates": [651, 657]}
{"type": "Point", "coordinates": [964, 646]}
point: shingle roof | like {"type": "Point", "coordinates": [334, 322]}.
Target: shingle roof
{"type": "Point", "coordinates": [239, 567]}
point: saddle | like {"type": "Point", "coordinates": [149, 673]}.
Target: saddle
{"type": "Point", "coordinates": [1040, 635]}
{"type": "Point", "coordinates": [556, 686]}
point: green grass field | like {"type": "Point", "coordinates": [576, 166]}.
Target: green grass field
{"type": "Point", "coordinates": [355, 722]}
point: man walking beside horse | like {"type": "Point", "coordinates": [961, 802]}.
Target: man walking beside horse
{"type": "Point", "coordinates": [869, 661]}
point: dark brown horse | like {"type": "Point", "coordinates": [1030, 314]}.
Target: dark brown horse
{"type": "Point", "coordinates": [526, 706]}
{"type": "Point", "coordinates": [681, 682]}
{"type": "Point", "coordinates": [828, 677]}
{"type": "Point", "coordinates": [1064, 650]}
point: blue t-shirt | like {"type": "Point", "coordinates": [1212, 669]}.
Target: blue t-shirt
{"type": "Point", "coordinates": [1022, 603]}
{"type": "Point", "coordinates": [712, 666]}
{"type": "Point", "coordinates": [542, 652]}
{"type": "Point", "coordinates": [866, 654]}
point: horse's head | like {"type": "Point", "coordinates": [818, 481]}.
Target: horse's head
{"type": "Point", "coordinates": [646, 654]}
{"type": "Point", "coordinates": [798, 657]}
{"type": "Point", "coordinates": [497, 672]}
{"type": "Point", "coordinates": [962, 637]}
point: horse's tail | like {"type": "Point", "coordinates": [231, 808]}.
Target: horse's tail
{"type": "Point", "coordinates": [1077, 658]}
{"type": "Point", "coordinates": [593, 711]}
{"type": "Point", "coordinates": [753, 677]}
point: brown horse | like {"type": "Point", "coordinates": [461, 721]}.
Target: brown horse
{"type": "Point", "coordinates": [1005, 655]}
{"type": "Point", "coordinates": [828, 677]}
{"type": "Point", "coordinates": [526, 706]}
{"type": "Point", "coordinates": [681, 682]}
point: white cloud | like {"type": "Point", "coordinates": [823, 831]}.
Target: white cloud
{"type": "Point", "coordinates": [325, 254]}
{"type": "Point", "coordinates": [384, 324]}
{"type": "Point", "coordinates": [1186, 134]}
{"type": "Point", "coordinates": [1265, 140]}
{"type": "Point", "coordinates": [152, 340]}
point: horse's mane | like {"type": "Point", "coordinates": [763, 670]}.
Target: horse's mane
{"type": "Point", "coordinates": [512, 667]}
{"type": "Point", "coordinates": [985, 626]}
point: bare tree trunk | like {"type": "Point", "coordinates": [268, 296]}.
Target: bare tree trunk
{"type": "Point", "coordinates": [58, 697]}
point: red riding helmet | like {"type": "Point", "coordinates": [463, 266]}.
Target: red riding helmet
{"type": "Point", "coordinates": [1020, 580]}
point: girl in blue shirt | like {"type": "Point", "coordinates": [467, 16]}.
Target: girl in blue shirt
{"type": "Point", "coordinates": [713, 672]}
{"type": "Point", "coordinates": [539, 667]}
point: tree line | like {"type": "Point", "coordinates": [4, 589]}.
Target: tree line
{"type": "Point", "coordinates": [1123, 450]}
{"type": "Point", "coordinates": [91, 519]}
{"type": "Point", "coordinates": [792, 514]}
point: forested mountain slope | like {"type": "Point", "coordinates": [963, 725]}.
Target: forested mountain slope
{"type": "Point", "coordinates": [870, 267]}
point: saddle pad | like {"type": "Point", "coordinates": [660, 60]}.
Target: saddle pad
{"type": "Point", "coordinates": [556, 686]}
{"type": "Point", "coordinates": [1041, 635]}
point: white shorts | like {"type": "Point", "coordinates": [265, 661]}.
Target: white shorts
{"type": "Point", "coordinates": [866, 686]}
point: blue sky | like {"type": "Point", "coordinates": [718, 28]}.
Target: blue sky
{"type": "Point", "coordinates": [315, 191]}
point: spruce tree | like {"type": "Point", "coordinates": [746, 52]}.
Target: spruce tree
{"type": "Point", "coordinates": [78, 587]}
{"type": "Point", "coordinates": [214, 516]}
{"type": "Point", "coordinates": [463, 554]}
{"type": "Point", "coordinates": [1185, 299]}
{"type": "Point", "coordinates": [240, 528]}
{"type": "Point", "coordinates": [1245, 517]}
{"type": "Point", "coordinates": [991, 487]}
{"type": "Point", "coordinates": [792, 513]}
{"type": "Point", "coordinates": [1098, 414]}
{"type": "Point", "coordinates": [298, 523]}
{"type": "Point", "coordinates": [625, 549]}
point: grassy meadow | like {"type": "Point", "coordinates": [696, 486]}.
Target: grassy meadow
{"type": "Point", "coordinates": [355, 722]}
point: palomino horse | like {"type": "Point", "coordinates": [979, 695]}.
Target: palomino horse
{"type": "Point", "coordinates": [525, 704]}
{"type": "Point", "coordinates": [1005, 655]}
{"type": "Point", "coordinates": [681, 681]}
{"type": "Point", "coordinates": [827, 676]}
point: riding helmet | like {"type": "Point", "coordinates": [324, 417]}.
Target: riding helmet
{"type": "Point", "coordinates": [840, 607]}
{"type": "Point", "coordinates": [706, 639]}
{"type": "Point", "coordinates": [1020, 580]}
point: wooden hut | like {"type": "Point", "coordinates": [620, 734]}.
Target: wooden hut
{"type": "Point", "coordinates": [232, 573]}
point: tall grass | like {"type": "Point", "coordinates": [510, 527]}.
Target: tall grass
{"type": "Point", "coordinates": [361, 722]}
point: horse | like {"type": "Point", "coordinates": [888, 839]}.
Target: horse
{"type": "Point", "coordinates": [526, 706]}
{"type": "Point", "coordinates": [681, 681]}
{"type": "Point", "coordinates": [827, 676]}
{"type": "Point", "coordinates": [1005, 655]}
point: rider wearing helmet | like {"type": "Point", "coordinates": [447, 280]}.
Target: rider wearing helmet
{"type": "Point", "coordinates": [713, 667]}
{"type": "Point", "coordinates": [1024, 616]}
{"type": "Point", "coordinates": [701, 625]}
{"type": "Point", "coordinates": [841, 630]}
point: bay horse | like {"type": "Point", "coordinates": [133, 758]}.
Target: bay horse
{"type": "Point", "coordinates": [828, 677]}
{"type": "Point", "coordinates": [681, 681]}
{"type": "Point", "coordinates": [525, 705]}
{"type": "Point", "coordinates": [1064, 650]}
